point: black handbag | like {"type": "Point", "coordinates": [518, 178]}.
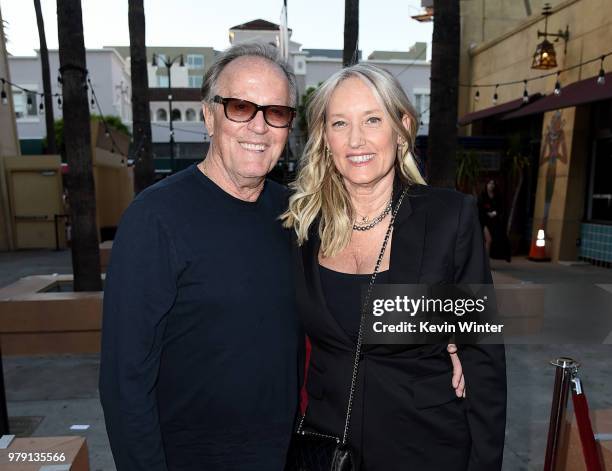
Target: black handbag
{"type": "Point", "coordinates": [310, 450]}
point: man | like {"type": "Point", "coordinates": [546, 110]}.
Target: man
{"type": "Point", "coordinates": [199, 363]}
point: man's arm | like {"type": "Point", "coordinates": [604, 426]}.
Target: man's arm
{"type": "Point", "coordinates": [484, 366]}
{"type": "Point", "coordinates": [139, 291]}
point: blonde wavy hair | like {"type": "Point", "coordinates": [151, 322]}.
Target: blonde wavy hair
{"type": "Point", "coordinates": [318, 190]}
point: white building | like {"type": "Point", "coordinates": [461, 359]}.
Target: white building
{"type": "Point", "coordinates": [191, 140]}
{"type": "Point", "coordinates": [110, 78]}
{"type": "Point", "coordinates": [313, 66]}
{"type": "Point", "coordinates": [410, 68]}
{"type": "Point", "coordinates": [110, 73]}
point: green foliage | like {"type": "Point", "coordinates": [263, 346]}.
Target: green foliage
{"type": "Point", "coordinates": [113, 122]}
{"type": "Point", "coordinates": [468, 170]}
{"type": "Point", "coordinates": [301, 109]}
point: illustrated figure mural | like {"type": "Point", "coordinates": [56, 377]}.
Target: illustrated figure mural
{"type": "Point", "coordinates": [554, 149]}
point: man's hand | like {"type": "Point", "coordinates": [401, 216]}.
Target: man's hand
{"type": "Point", "coordinates": [458, 379]}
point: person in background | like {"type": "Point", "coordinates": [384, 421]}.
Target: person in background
{"type": "Point", "coordinates": [492, 220]}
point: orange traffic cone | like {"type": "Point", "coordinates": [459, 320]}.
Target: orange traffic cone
{"type": "Point", "coordinates": [537, 252]}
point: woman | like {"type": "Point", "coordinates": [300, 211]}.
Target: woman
{"type": "Point", "coordinates": [490, 207]}
{"type": "Point", "coordinates": [356, 164]}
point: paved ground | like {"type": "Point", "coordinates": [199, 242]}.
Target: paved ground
{"type": "Point", "coordinates": [15, 265]}
{"type": "Point", "coordinates": [63, 389]}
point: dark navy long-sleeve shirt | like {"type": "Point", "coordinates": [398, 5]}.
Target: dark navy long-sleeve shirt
{"type": "Point", "coordinates": [199, 367]}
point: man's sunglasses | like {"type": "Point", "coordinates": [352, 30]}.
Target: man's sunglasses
{"type": "Point", "coordinates": [242, 111]}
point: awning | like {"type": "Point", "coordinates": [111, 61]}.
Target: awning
{"type": "Point", "coordinates": [577, 93]}
{"type": "Point", "coordinates": [496, 110]}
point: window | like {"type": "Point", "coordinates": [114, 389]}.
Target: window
{"type": "Point", "coordinates": [190, 115]}
{"type": "Point", "coordinates": [162, 81]}
{"type": "Point", "coordinates": [161, 58]}
{"type": "Point", "coordinates": [195, 81]}
{"type": "Point", "coordinates": [421, 103]}
{"type": "Point", "coordinates": [161, 115]}
{"type": "Point", "coordinates": [195, 61]}
{"type": "Point", "coordinates": [26, 104]}
{"type": "Point", "coordinates": [176, 115]}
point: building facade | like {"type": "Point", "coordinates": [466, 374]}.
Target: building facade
{"type": "Point", "coordinates": [110, 78]}
{"type": "Point", "coordinates": [9, 143]}
{"type": "Point", "coordinates": [564, 121]}
{"type": "Point", "coordinates": [411, 69]}
{"type": "Point", "coordinates": [191, 139]}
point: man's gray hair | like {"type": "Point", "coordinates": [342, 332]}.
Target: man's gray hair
{"type": "Point", "coordinates": [246, 49]}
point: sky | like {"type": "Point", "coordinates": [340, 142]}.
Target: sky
{"type": "Point", "coordinates": [383, 24]}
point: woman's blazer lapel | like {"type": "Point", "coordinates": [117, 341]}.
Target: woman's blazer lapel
{"type": "Point", "coordinates": [321, 318]}
{"type": "Point", "coordinates": [408, 242]}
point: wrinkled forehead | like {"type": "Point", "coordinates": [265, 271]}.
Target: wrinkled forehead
{"type": "Point", "coordinates": [249, 77]}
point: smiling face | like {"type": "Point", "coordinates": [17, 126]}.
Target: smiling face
{"type": "Point", "coordinates": [359, 134]}
{"type": "Point", "coordinates": [250, 150]}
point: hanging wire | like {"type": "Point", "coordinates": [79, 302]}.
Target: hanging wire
{"type": "Point", "coordinates": [3, 94]}
{"type": "Point", "coordinates": [549, 74]}
{"type": "Point", "coordinates": [107, 133]}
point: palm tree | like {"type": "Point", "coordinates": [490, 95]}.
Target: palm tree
{"type": "Point", "coordinates": [144, 174]}
{"type": "Point", "coordinates": [442, 139]}
{"type": "Point", "coordinates": [77, 142]}
{"type": "Point", "coordinates": [46, 77]}
{"type": "Point", "coordinates": [350, 54]}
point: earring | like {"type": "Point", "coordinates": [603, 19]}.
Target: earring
{"type": "Point", "coordinates": [327, 152]}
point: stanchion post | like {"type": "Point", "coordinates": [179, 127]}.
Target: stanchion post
{"type": "Point", "coordinates": [565, 370]}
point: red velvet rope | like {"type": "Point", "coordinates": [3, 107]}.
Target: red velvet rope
{"type": "Point", "coordinates": [587, 437]}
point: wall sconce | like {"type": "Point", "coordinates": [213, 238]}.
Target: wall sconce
{"type": "Point", "coordinates": [545, 56]}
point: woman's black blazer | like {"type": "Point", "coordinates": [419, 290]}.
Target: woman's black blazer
{"type": "Point", "coordinates": [406, 415]}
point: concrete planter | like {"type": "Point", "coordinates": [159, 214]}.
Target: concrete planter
{"type": "Point", "coordinates": [35, 321]}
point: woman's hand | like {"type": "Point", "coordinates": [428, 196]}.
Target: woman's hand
{"type": "Point", "coordinates": [458, 379]}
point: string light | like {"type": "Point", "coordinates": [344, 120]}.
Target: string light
{"type": "Point", "coordinates": [525, 93]}
{"type": "Point", "coordinates": [3, 95]}
{"type": "Point", "coordinates": [601, 78]}
{"type": "Point", "coordinates": [94, 100]}
{"type": "Point", "coordinates": [41, 107]}
{"type": "Point", "coordinates": [29, 93]}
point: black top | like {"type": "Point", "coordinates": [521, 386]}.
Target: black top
{"type": "Point", "coordinates": [200, 337]}
{"type": "Point", "coordinates": [344, 296]}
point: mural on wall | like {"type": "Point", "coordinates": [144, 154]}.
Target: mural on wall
{"type": "Point", "coordinates": [554, 150]}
